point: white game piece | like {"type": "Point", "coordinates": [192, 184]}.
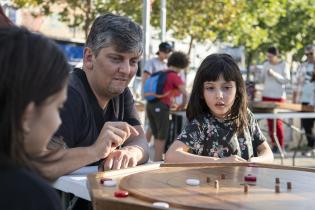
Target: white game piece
{"type": "Point", "coordinates": [193, 182]}
{"type": "Point", "coordinates": [161, 205]}
{"type": "Point", "coordinates": [109, 183]}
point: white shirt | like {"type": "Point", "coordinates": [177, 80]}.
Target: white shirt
{"type": "Point", "coordinates": [274, 83]}
{"type": "Point", "coordinates": [154, 65]}
{"type": "Point", "coordinates": [303, 86]}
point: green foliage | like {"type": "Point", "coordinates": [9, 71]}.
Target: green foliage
{"type": "Point", "coordinates": [287, 24]}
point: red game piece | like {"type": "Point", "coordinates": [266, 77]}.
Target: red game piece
{"type": "Point", "coordinates": [250, 178]}
{"type": "Point", "coordinates": [104, 179]}
{"type": "Point", "coordinates": [121, 194]}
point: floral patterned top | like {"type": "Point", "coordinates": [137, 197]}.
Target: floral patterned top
{"type": "Point", "coordinates": [208, 136]}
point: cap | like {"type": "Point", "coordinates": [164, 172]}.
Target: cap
{"type": "Point", "coordinates": [165, 47]}
{"type": "Point", "coordinates": [309, 48]}
{"type": "Point", "coordinates": [273, 50]}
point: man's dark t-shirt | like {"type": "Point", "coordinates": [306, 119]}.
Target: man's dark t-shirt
{"type": "Point", "coordinates": [83, 118]}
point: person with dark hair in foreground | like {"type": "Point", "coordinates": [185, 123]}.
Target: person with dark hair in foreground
{"type": "Point", "coordinates": [33, 88]}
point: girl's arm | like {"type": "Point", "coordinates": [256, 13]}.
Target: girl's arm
{"type": "Point", "coordinates": [178, 153]}
{"type": "Point", "coordinates": [265, 154]}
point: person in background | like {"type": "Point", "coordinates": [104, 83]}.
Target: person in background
{"type": "Point", "coordinates": [158, 111]}
{"type": "Point", "coordinates": [158, 63]}
{"type": "Point", "coordinates": [153, 65]}
{"type": "Point", "coordinates": [303, 92]}
{"type": "Point", "coordinates": [221, 128]}
{"type": "Point", "coordinates": [33, 89]}
{"type": "Point", "coordinates": [276, 75]}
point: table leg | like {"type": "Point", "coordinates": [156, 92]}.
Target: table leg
{"type": "Point", "coordinates": [277, 140]}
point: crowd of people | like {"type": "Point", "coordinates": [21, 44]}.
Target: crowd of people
{"type": "Point", "coordinates": [55, 121]}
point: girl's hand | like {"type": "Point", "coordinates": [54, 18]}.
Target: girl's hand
{"type": "Point", "coordinates": [254, 160]}
{"type": "Point", "coordinates": [232, 159]}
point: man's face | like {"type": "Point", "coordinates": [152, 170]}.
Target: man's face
{"type": "Point", "coordinates": [110, 72]}
{"type": "Point", "coordinates": [310, 56]}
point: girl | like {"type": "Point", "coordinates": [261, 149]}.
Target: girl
{"type": "Point", "coordinates": [220, 128]}
{"type": "Point", "coordinates": [33, 84]}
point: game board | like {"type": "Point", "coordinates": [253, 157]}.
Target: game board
{"type": "Point", "coordinates": [167, 184]}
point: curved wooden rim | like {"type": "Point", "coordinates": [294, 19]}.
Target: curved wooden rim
{"type": "Point", "coordinates": [262, 165]}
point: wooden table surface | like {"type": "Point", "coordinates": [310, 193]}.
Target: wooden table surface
{"type": "Point", "coordinates": [167, 184]}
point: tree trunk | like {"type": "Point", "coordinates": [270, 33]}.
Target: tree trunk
{"type": "Point", "coordinates": [88, 18]}
{"type": "Point", "coordinates": [248, 63]}
{"type": "Point", "coordinates": [190, 45]}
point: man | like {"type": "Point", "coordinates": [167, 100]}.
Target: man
{"type": "Point", "coordinates": [154, 65]}
{"type": "Point", "coordinates": [276, 75]}
{"type": "Point", "coordinates": [158, 109]}
{"type": "Point", "coordinates": [99, 119]}
{"type": "Point", "coordinates": [303, 92]}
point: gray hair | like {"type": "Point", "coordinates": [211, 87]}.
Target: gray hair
{"type": "Point", "coordinates": [117, 31]}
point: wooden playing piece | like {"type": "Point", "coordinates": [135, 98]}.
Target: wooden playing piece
{"type": "Point", "coordinates": [216, 184]}
{"type": "Point", "coordinates": [277, 188]}
{"type": "Point", "coordinates": [277, 180]}
{"type": "Point", "coordinates": [245, 188]}
{"type": "Point", "coordinates": [289, 185]}
{"type": "Point", "coordinates": [208, 179]}
{"type": "Point", "coordinates": [222, 176]}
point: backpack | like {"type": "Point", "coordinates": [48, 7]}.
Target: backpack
{"type": "Point", "coordinates": [153, 86]}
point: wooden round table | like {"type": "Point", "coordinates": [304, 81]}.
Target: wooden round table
{"type": "Point", "coordinates": [168, 184]}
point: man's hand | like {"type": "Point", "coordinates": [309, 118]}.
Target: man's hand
{"type": "Point", "coordinates": [118, 159]}
{"type": "Point", "coordinates": [112, 135]}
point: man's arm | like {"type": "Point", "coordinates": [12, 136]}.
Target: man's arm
{"type": "Point", "coordinates": [55, 163]}
{"type": "Point", "coordinates": [138, 145]}
{"type": "Point", "coordinates": [58, 162]}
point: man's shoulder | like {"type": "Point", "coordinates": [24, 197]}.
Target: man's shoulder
{"type": "Point", "coordinates": [76, 88]}
{"type": "Point", "coordinates": [74, 80]}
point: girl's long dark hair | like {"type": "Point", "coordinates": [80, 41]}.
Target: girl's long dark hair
{"type": "Point", "coordinates": [210, 70]}
{"type": "Point", "coordinates": [32, 68]}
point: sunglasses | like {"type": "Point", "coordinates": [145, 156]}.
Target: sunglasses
{"type": "Point", "coordinates": [307, 54]}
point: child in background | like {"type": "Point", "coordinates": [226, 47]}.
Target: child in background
{"type": "Point", "coordinates": [220, 127]}
{"type": "Point", "coordinates": [158, 110]}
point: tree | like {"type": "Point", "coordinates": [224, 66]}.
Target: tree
{"type": "Point", "coordinates": [199, 20]}
{"type": "Point", "coordinates": [82, 13]}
